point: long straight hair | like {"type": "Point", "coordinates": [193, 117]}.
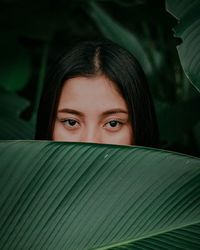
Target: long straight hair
{"type": "Point", "coordinates": [93, 58]}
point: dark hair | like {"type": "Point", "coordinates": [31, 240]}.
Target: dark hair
{"type": "Point", "coordinates": [91, 58]}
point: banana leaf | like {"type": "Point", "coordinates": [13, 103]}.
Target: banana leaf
{"type": "Point", "coordinates": [114, 31]}
{"type": "Point", "coordinates": [188, 30]}
{"type": "Point", "coordinates": [59, 195]}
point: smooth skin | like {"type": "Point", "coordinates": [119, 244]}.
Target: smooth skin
{"type": "Point", "coordinates": [92, 110]}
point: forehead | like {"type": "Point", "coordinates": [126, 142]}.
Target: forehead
{"type": "Point", "coordinates": [84, 91]}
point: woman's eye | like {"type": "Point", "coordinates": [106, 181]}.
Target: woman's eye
{"type": "Point", "coordinates": [113, 124]}
{"type": "Point", "coordinates": [71, 123]}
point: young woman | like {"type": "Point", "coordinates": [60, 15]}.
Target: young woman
{"type": "Point", "coordinates": [98, 93]}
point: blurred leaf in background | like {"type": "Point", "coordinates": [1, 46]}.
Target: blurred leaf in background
{"type": "Point", "coordinates": [12, 126]}
{"type": "Point", "coordinates": [114, 31]}
{"type": "Point", "coordinates": [15, 65]}
{"type": "Point", "coordinates": [188, 29]}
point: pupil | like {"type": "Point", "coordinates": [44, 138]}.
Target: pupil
{"type": "Point", "coordinates": [113, 123]}
{"type": "Point", "coordinates": [72, 122]}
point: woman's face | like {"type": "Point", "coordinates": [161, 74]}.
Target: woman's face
{"type": "Point", "coordinates": [92, 110]}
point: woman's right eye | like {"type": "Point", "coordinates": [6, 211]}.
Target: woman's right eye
{"type": "Point", "coordinates": [71, 123]}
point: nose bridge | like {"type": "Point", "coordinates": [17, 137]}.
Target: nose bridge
{"type": "Point", "coordinates": [91, 134]}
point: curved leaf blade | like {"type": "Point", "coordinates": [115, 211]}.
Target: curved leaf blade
{"type": "Point", "coordinates": [117, 33]}
{"type": "Point", "coordinates": [188, 29]}
{"type": "Point", "coordinates": [12, 127]}
{"type": "Point", "coordinates": [58, 195]}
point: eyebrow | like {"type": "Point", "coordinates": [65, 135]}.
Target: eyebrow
{"type": "Point", "coordinates": [105, 113]}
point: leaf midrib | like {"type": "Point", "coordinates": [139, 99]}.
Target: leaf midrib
{"type": "Point", "coordinates": [122, 243]}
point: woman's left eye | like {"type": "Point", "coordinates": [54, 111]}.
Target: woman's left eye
{"type": "Point", "coordinates": [113, 124]}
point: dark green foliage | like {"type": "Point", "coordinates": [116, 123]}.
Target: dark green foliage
{"type": "Point", "coordinates": [89, 196]}
{"type": "Point", "coordinates": [188, 29]}
{"type": "Point", "coordinates": [14, 63]}
{"type": "Point", "coordinates": [12, 126]}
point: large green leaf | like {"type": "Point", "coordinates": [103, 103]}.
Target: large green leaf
{"type": "Point", "coordinates": [188, 29]}
{"type": "Point", "coordinates": [119, 34]}
{"type": "Point", "coordinates": [58, 195]}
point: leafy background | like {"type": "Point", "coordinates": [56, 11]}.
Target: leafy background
{"type": "Point", "coordinates": [33, 33]}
